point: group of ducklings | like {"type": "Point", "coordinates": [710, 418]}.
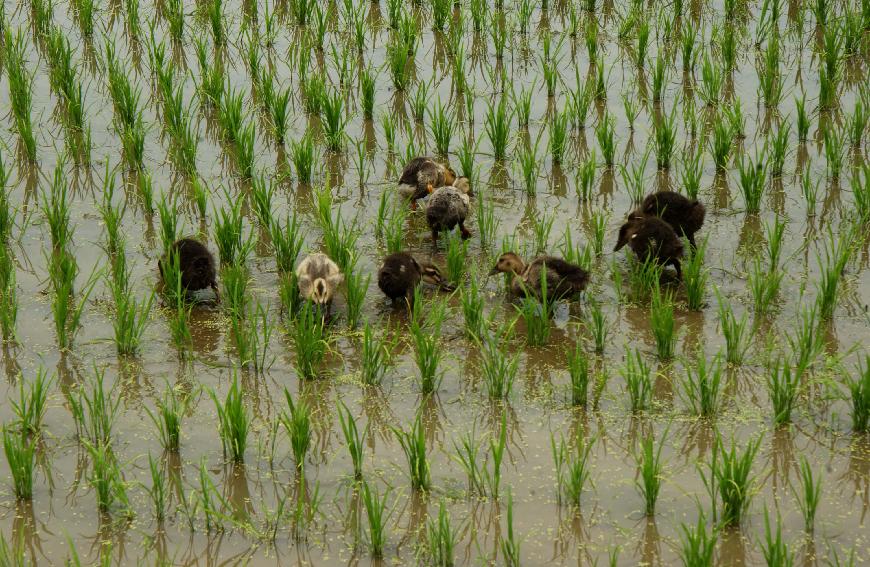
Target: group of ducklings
{"type": "Point", "coordinates": [652, 231]}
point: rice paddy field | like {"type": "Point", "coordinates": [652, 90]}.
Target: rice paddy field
{"type": "Point", "coordinates": [721, 419]}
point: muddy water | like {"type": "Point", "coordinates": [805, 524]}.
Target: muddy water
{"type": "Point", "coordinates": [611, 520]}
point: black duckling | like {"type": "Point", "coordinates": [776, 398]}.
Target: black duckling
{"type": "Point", "coordinates": [400, 274]}
{"type": "Point", "coordinates": [447, 207]}
{"type": "Point", "coordinates": [422, 172]}
{"type": "Point", "coordinates": [196, 264]}
{"type": "Point", "coordinates": [318, 277]}
{"type": "Point", "coordinates": [564, 279]}
{"type": "Point", "coordinates": [651, 237]}
{"type": "Point", "coordinates": [685, 215]}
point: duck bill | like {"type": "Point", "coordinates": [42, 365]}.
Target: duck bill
{"type": "Point", "coordinates": [444, 285]}
{"type": "Point", "coordinates": [492, 272]}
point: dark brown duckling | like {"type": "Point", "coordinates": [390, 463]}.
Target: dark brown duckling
{"type": "Point", "coordinates": [651, 237]}
{"type": "Point", "coordinates": [196, 264]}
{"type": "Point", "coordinates": [400, 274]}
{"type": "Point", "coordinates": [422, 172]}
{"type": "Point", "coordinates": [685, 215]}
{"type": "Point", "coordinates": [448, 207]}
{"type": "Point", "coordinates": [564, 279]}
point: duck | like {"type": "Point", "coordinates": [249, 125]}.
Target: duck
{"type": "Point", "coordinates": [318, 277]}
{"type": "Point", "coordinates": [448, 207]}
{"type": "Point", "coordinates": [685, 215]}
{"type": "Point", "coordinates": [196, 264]}
{"type": "Point", "coordinates": [422, 172]}
{"type": "Point", "coordinates": [401, 273]}
{"type": "Point", "coordinates": [651, 237]}
{"type": "Point", "coordinates": [563, 279]}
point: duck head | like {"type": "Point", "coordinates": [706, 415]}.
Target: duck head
{"type": "Point", "coordinates": [321, 292]}
{"type": "Point", "coordinates": [628, 230]}
{"type": "Point", "coordinates": [464, 185]}
{"type": "Point", "coordinates": [508, 263]}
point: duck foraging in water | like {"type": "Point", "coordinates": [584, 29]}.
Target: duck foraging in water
{"type": "Point", "coordinates": [448, 207]}
{"type": "Point", "coordinates": [650, 237]}
{"type": "Point", "coordinates": [562, 279]}
{"type": "Point", "coordinates": [419, 174]}
{"type": "Point", "coordinates": [401, 273]}
{"type": "Point", "coordinates": [195, 264]}
{"type": "Point", "coordinates": [685, 215]}
{"type": "Point", "coordinates": [318, 277]}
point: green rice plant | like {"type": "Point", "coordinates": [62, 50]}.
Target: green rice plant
{"type": "Point", "coordinates": [395, 229]}
{"type": "Point", "coordinates": [413, 443]}
{"type": "Point", "coordinates": [702, 385]}
{"type": "Point", "coordinates": [245, 149]}
{"type": "Point", "coordinates": [835, 151]}
{"type": "Point", "coordinates": [499, 33]}
{"type": "Point", "coordinates": [310, 339]}
{"type": "Point", "coordinates": [426, 336]}
{"type": "Point", "coordinates": [288, 291]}
{"type": "Point", "coordinates": [145, 188]}
{"type": "Point", "coordinates": [752, 179]}
{"type": "Point", "coordinates": [581, 100]}
{"type": "Point", "coordinates": [466, 453]}
{"type": "Point", "coordinates": [778, 148]}
{"type": "Point", "coordinates": [377, 517]}
{"type": "Point", "coordinates": [510, 545]}
{"type": "Point", "coordinates": [599, 326]}
{"type": "Point", "coordinates": [632, 109]}
{"type": "Point", "coordinates": [662, 322]}
{"type": "Point", "coordinates": [773, 548]}
{"type": "Point", "coordinates": [809, 495]}
{"type": "Point", "coordinates": [261, 199]}
{"type": "Point", "coordinates": [523, 104]}
{"type": "Point", "coordinates": [66, 312]}
{"type": "Point", "coordinates": [542, 225]}
{"type": "Point", "coordinates": [803, 119]}
{"type": "Point", "coordinates": [333, 121]}
{"type": "Point", "coordinates": [106, 479]}
{"type": "Point", "coordinates": [233, 247]}
{"type": "Point", "coordinates": [174, 12]}
{"type": "Point", "coordinates": [457, 254]}
{"type": "Point", "coordinates": [30, 408]}
{"type": "Point", "coordinates": [649, 471]}
{"type": "Point", "coordinates": [634, 178]}
{"type": "Point", "coordinates": [605, 133]}
{"type": "Point", "coordinates": [723, 138]}
{"type": "Point", "coordinates": [158, 491]}
{"type": "Point", "coordinates": [297, 423]}
{"type": "Point", "coordinates": [820, 10]}
{"type": "Point", "coordinates": [808, 341]}
{"type": "Point", "coordinates": [21, 458]}
{"type": "Point", "coordinates": [20, 89]}
{"type": "Point", "coordinates": [353, 439]}
{"type": "Point", "coordinates": [487, 222]}
{"type": "Point", "coordinates": [585, 177]}
{"type": "Point", "coordinates": [472, 304]}
{"type": "Point", "coordinates": [695, 276]}
{"type": "Point", "coordinates": [442, 125]}
{"type": "Point", "coordinates": [769, 78]}
{"type": "Point", "coordinates": [498, 127]}
{"type": "Point", "coordinates": [498, 369]}
{"type": "Point", "coordinates": [467, 157]}
{"type": "Point", "coordinates": [375, 357]}
{"type": "Point", "coordinates": [782, 386]}
{"type": "Point", "coordinates": [643, 278]}
{"type": "Point", "coordinates": [56, 209]}
{"type": "Point", "coordinates": [169, 417]}
{"type": "Point", "coordinates": [643, 33]}
{"type": "Point", "coordinates": [559, 134]}
{"type": "Point", "coordinates": [764, 285]}
{"type": "Point", "coordinates": [167, 210]}
{"type": "Point", "coordinates": [234, 281]}
{"type": "Point", "coordinates": [8, 294]}
{"type": "Point", "coordinates": [659, 78]}
{"type": "Point", "coordinates": [230, 114]}
{"type": "Point", "coordinates": [368, 81]}
{"type": "Point", "coordinates": [388, 123]}
{"type": "Point", "coordinates": [836, 252]}
{"type": "Point", "coordinates": [774, 234]}
{"type": "Point", "coordinates": [578, 372]}
{"type": "Point", "coordinates": [528, 160]}
{"type": "Point", "coordinates": [712, 81]}
{"type": "Point", "coordinates": [572, 467]}
{"type": "Point", "coordinates": [856, 125]}
{"type": "Point", "coordinates": [356, 287]}
{"type": "Point", "coordinates": [537, 315]}
{"type": "Point", "coordinates": [492, 478]}
{"type": "Point", "coordinates": [214, 10]}
{"type": "Point", "coordinates": [397, 62]}
{"type": "Point", "coordinates": [131, 315]}
{"type": "Point", "coordinates": [731, 479]}
{"type": "Point", "coordinates": [810, 192]}
{"type": "Point", "coordinates": [859, 391]}
{"type": "Point", "coordinates": [479, 10]}
{"type": "Point", "coordinates": [697, 544]}
{"type": "Point", "coordinates": [287, 242]}
{"type": "Point", "coordinates": [828, 96]}
{"type": "Point", "coordinates": [441, 539]}
{"type": "Point", "coordinates": [234, 421]}
{"type": "Point", "coordinates": [638, 381]}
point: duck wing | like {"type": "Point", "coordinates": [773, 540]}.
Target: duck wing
{"type": "Point", "coordinates": [563, 278]}
{"type": "Point", "coordinates": [409, 173]}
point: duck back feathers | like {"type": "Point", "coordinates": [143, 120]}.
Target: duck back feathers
{"type": "Point", "coordinates": [685, 215]}
{"type": "Point", "coordinates": [650, 237]}
{"type": "Point", "coordinates": [196, 264]}
{"type": "Point", "coordinates": [318, 276]}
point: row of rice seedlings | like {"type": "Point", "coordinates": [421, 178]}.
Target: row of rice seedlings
{"type": "Point", "coordinates": [573, 467]}
{"type": "Point", "coordinates": [426, 336]}
{"type": "Point", "coordinates": [650, 467]}
{"type": "Point", "coordinates": [297, 423]}
{"type": "Point", "coordinates": [63, 76]}
{"type": "Point", "coordinates": [233, 421]}
{"type": "Point", "coordinates": [20, 89]}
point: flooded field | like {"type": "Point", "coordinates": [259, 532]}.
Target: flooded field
{"type": "Point", "coordinates": [718, 419]}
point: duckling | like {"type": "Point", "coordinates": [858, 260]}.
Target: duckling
{"type": "Point", "coordinates": [318, 276]}
{"type": "Point", "coordinates": [400, 274]}
{"type": "Point", "coordinates": [196, 264]}
{"type": "Point", "coordinates": [447, 207]}
{"type": "Point", "coordinates": [685, 215]}
{"type": "Point", "coordinates": [651, 237]}
{"type": "Point", "coordinates": [419, 174]}
{"type": "Point", "coordinates": [564, 279]}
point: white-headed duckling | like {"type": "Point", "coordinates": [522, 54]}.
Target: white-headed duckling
{"type": "Point", "coordinates": [448, 207]}
{"type": "Point", "coordinates": [651, 238]}
{"type": "Point", "coordinates": [422, 172]}
{"type": "Point", "coordinates": [401, 273]}
{"type": "Point", "coordinates": [563, 279]}
{"type": "Point", "coordinates": [318, 277]}
{"type": "Point", "coordinates": [685, 215]}
{"type": "Point", "coordinates": [196, 264]}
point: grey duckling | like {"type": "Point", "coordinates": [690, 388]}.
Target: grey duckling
{"type": "Point", "coordinates": [318, 277]}
{"type": "Point", "coordinates": [447, 207]}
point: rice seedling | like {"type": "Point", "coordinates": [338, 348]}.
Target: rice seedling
{"type": "Point", "coordinates": [856, 125]}
{"type": "Point", "coordinates": [333, 121]}
{"type": "Point", "coordinates": [21, 458]}
{"type": "Point", "coordinates": [537, 315]}
{"type": "Point", "coordinates": [702, 385]}
{"type": "Point", "coordinates": [442, 125]}
{"type": "Point", "coordinates": [426, 336]}
{"type": "Point", "coordinates": [578, 372]}
{"type": "Point", "coordinates": [510, 545]}
{"type": "Point", "coordinates": [353, 439]}
{"type": "Point", "coordinates": [695, 276]}
{"type": "Point", "coordinates": [397, 61]}
{"type": "Point", "coordinates": [712, 81]}
{"type": "Point", "coordinates": [773, 548]}
{"type": "Point", "coordinates": [107, 480]}
{"type": "Point", "coordinates": [662, 322]}
{"type": "Point", "coordinates": [377, 516]}
{"type": "Point", "coordinates": [659, 78]}
{"type": "Point", "coordinates": [581, 100]}
{"type": "Point", "coordinates": [214, 10]}
{"type": "Point", "coordinates": [492, 478]}
{"type": "Point", "coordinates": [287, 242]}
{"type": "Point", "coordinates": [731, 479]}
{"type": "Point", "coordinates": [573, 467]}
{"type": "Point", "coordinates": [498, 369]}
{"type": "Point", "coordinates": [697, 544]}
{"type": "Point", "coordinates": [634, 178]}
{"type": "Point", "coordinates": [457, 253]}
{"type": "Point", "coordinates": [169, 417]}
{"type": "Point", "coordinates": [764, 285]}
{"type": "Point", "coordinates": [66, 312]}
{"type": "Point", "coordinates": [723, 138]}
{"type": "Point", "coordinates": [8, 294]}
{"type": "Point", "coordinates": [233, 247]}
{"type": "Point", "coordinates": [605, 134]}
{"type": "Point", "coordinates": [233, 420]}
{"type": "Point", "coordinates": [828, 97]}
{"type": "Point", "coordinates": [413, 443]}
{"type": "Point", "coordinates": [441, 539]}
{"type": "Point", "coordinates": [487, 222]}
{"type": "Point", "coordinates": [297, 423]}
{"type": "Point", "coordinates": [528, 161]}
{"type": "Point", "coordinates": [836, 252]}
{"type": "Point", "coordinates": [752, 179]}
{"type": "Point", "coordinates": [859, 391]}
{"type": "Point", "coordinates": [649, 474]}
{"type": "Point", "coordinates": [559, 134]}
{"type": "Point", "coordinates": [174, 12]}
{"type": "Point", "coordinates": [643, 278]}
{"type": "Point", "coordinates": [643, 33]}
{"type": "Point", "coordinates": [585, 177]}
{"type": "Point", "coordinates": [809, 495]}
{"type": "Point", "coordinates": [234, 281]}
{"type": "Point", "coordinates": [498, 127]}
{"type": "Point", "coordinates": [20, 89]}
{"type": "Point", "coordinates": [835, 151]}
{"type": "Point", "coordinates": [638, 381]}
{"type": "Point", "coordinates": [56, 209]}
{"type": "Point", "coordinates": [770, 82]}
{"type": "Point", "coordinates": [388, 123]}
{"type": "Point", "coordinates": [310, 339]}
{"type": "Point", "coordinates": [802, 119]}
{"type": "Point", "coordinates": [356, 287]}
{"type": "Point", "coordinates": [158, 491]}
{"type": "Point", "coordinates": [782, 386]}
